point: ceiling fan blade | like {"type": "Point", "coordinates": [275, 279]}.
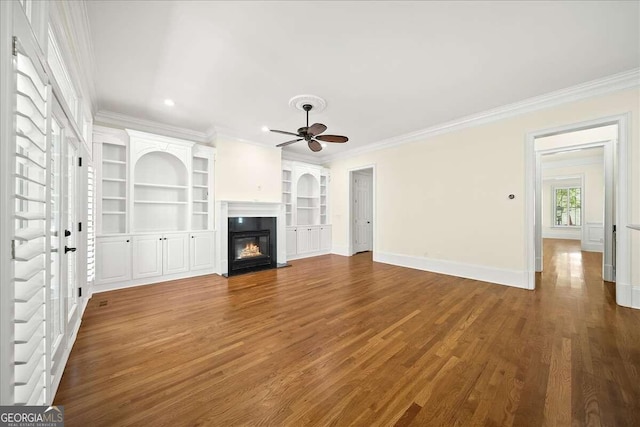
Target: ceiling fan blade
{"type": "Point", "coordinates": [284, 144]}
{"type": "Point", "coordinates": [284, 132]}
{"type": "Point", "coordinates": [316, 129]}
{"type": "Point", "coordinates": [315, 145]}
{"type": "Point", "coordinates": [332, 138]}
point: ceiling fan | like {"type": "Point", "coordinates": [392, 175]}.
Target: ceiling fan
{"type": "Point", "coordinates": [311, 134]}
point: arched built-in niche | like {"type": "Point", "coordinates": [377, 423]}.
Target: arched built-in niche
{"type": "Point", "coordinates": [160, 197]}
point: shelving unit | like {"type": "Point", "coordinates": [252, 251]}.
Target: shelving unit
{"type": "Point", "coordinates": [286, 195]}
{"type": "Point", "coordinates": [160, 195]}
{"type": "Point", "coordinates": [323, 199]}
{"type": "Point", "coordinates": [200, 193]}
{"type": "Point", "coordinates": [114, 189]}
{"type": "Point", "coordinates": [307, 200]}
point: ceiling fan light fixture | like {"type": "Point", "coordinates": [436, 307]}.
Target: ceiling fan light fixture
{"type": "Point", "coordinates": [310, 134]}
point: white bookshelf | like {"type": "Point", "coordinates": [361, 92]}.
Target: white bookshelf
{"type": "Point", "coordinates": [200, 209]}
{"type": "Point", "coordinates": [286, 195]}
{"type": "Point", "coordinates": [114, 188]}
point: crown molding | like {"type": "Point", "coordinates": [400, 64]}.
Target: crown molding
{"type": "Point", "coordinates": [71, 26]}
{"type": "Point", "coordinates": [123, 121]}
{"type": "Point", "coordinates": [609, 84]}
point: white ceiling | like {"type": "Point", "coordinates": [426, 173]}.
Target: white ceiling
{"type": "Point", "coordinates": [384, 68]}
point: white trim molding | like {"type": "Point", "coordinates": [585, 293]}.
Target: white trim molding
{"type": "Point", "coordinates": [618, 148]}
{"type": "Point", "coordinates": [124, 121]}
{"type": "Point", "coordinates": [226, 209]}
{"type": "Point", "coordinates": [514, 278]}
{"type": "Point", "coordinates": [616, 82]}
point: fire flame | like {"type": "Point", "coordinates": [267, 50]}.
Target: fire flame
{"type": "Point", "coordinates": [250, 250]}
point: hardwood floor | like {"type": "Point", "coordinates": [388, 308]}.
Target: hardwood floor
{"type": "Point", "coordinates": [344, 341]}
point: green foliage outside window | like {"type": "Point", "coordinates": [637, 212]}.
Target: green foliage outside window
{"type": "Point", "coordinates": [568, 206]}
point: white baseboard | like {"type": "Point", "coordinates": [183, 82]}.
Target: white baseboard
{"type": "Point", "coordinates": [635, 297]}
{"type": "Point", "coordinates": [97, 288]}
{"type": "Point", "coordinates": [340, 250]}
{"type": "Point", "coordinates": [592, 247]}
{"type": "Point", "coordinates": [515, 278]}
{"type": "Point", "coordinates": [306, 255]}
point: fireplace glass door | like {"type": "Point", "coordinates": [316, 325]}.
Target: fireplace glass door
{"type": "Point", "coordinates": [251, 247]}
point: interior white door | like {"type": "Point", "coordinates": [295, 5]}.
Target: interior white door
{"type": "Point", "coordinates": [71, 221]}
{"type": "Point", "coordinates": [57, 337]}
{"type": "Point", "coordinates": [362, 208]}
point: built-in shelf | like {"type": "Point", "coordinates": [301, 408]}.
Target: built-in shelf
{"type": "Point", "coordinates": [200, 172]}
{"type": "Point", "coordinates": [113, 213]}
{"type": "Point", "coordinates": [634, 226]}
{"type": "Point", "coordinates": [201, 213]}
{"type": "Point", "coordinates": [113, 198]}
{"type": "Point", "coordinates": [160, 202]}
{"type": "Point", "coordinates": [200, 201]}
{"type": "Point", "coordinates": [114, 162]}
{"type": "Point", "coordinates": [148, 184]}
{"type": "Point", "coordinates": [307, 207]}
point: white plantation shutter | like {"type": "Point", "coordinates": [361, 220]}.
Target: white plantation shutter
{"type": "Point", "coordinates": [30, 255]}
{"type": "Point", "coordinates": [91, 270]}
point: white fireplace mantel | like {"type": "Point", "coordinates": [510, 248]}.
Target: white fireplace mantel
{"type": "Point", "coordinates": [226, 209]}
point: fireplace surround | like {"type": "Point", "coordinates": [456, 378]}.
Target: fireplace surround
{"type": "Point", "coordinates": [252, 244]}
{"type": "Point", "coordinates": [228, 209]}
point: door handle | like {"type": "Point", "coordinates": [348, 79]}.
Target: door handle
{"type": "Point", "coordinates": [67, 233]}
{"type": "Point", "coordinates": [68, 249]}
{"type": "Point", "coordinates": [368, 222]}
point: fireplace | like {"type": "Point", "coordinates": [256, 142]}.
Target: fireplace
{"type": "Point", "coordinates": [252, 244]}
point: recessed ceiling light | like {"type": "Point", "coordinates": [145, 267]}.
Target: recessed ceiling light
{"type": "Point", "coordinates": [265, 128]}
{"type": "Point", "coordinates": [169, 102]}
{"type": "Point", "coordinates": [323, 144]}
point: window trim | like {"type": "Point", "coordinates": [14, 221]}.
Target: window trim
{"type": "Point", "coordinates": [554, 188]}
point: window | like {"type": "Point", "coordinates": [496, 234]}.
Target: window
{"type": "Point", "coordinates": [568, 206]}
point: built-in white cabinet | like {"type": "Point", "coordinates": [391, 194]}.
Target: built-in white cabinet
{"type": "Point", "coordinates": [305, 194]}
{"type": "Point", "coordinates": [113, 259]}
{"type": "Point", "coordinates": [292, 242]}
{"type": "Point", "coordinates": [175, 253]}
{"type": "Point", "coordinates": [147, 251]}
{"type": "Point", "coordinates": [201, 250]}
{"type": "Point", "coordinates": [308, 240]}
{"type": "Point", "coordinates": [156, 192]}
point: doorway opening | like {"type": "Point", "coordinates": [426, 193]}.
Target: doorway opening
{"type": "Point", "coordinates": [604, 142]}
{"type": "Point", "coordinates": [361, 209]}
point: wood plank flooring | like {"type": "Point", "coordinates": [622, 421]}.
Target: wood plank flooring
{"type": "Point", "coordinates": [345, 341]}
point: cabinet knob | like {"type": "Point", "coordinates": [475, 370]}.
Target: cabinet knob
{"type": "Point", "coordinates": [127, 240]}
{"type": "Point", "coordinates": [160, 238]}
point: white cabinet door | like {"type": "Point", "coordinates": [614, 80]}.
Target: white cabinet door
{"type": "Point", "coordinates": [325, 238]}
{"type": "Point", "coordinates": [113, 263]}
{"type": "Point", "coordinates": [314, 239]}
{"type": "Point", "coordinates": [147, 256]}
{"type": "Point", "coordinates": [302, 240]}
{"type": "Point", "coordinates": [175, 253]}
{"type": "Point", "coordinates": [201, 253]}
{"type": "Point", "coordinates": [308, 239]}
{"type": "Point", "coordinates": [292, 242]}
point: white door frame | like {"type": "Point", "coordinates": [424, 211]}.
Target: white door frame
{"type": "Point", "coordinates": [623, 254]}
{"type": "Point", "coordinates": [373, 204]}
{"type": "Point", "coordinates": [608, 168]}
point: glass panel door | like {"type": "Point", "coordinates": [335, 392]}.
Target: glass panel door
{"type": "Point", "coordinates": [71, 226]}
{"type": "Point", "coordinates": [57, 299]}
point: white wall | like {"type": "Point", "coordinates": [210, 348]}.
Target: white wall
{"type": "Point", "coordinates": [593, 195]}
{"type": "Point", "coordinates": [247, 172]}
{"type": "Point", "coordinates": [443, 202]}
